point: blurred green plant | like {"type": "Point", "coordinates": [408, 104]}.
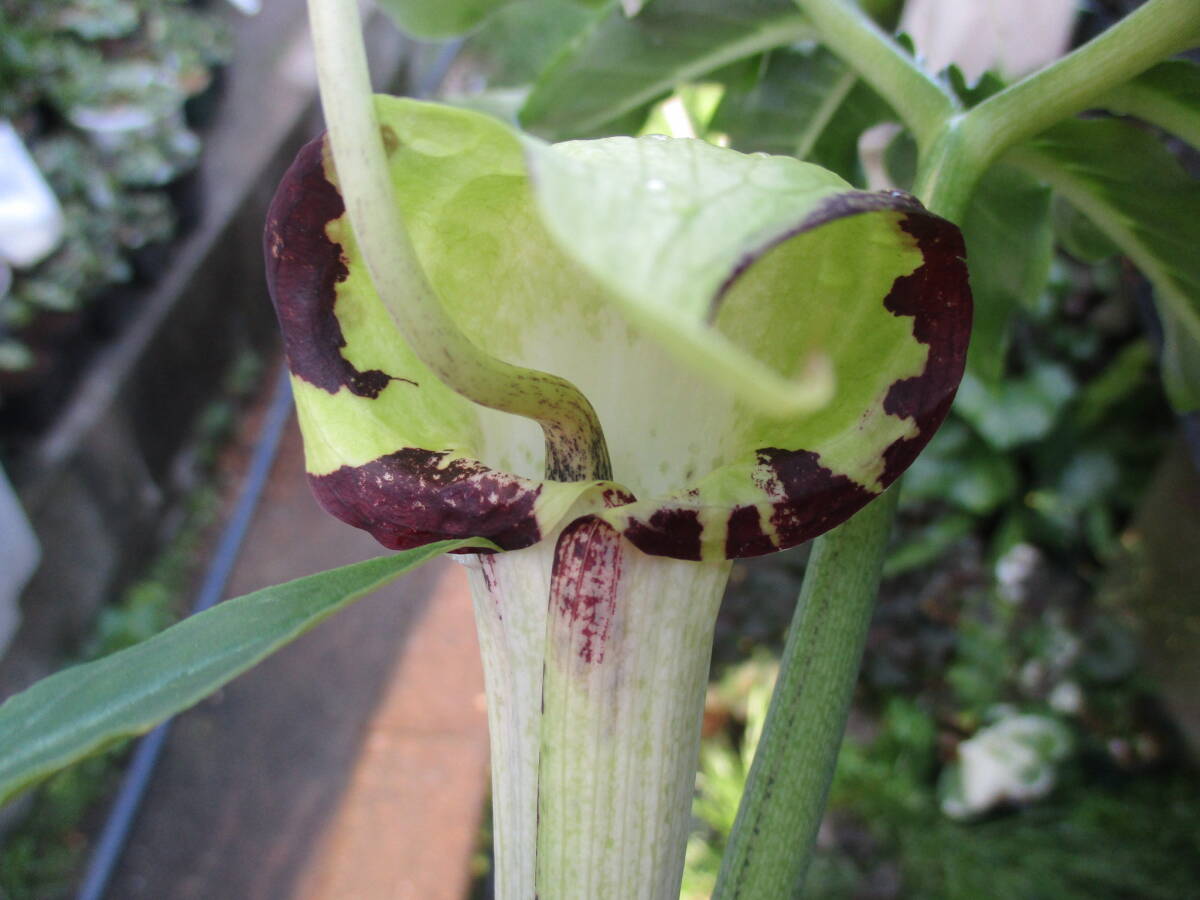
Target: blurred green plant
{"type": "Point", "coordinates": [98, 89]}
{"type": "Point", "coordinates": [1104, 832]}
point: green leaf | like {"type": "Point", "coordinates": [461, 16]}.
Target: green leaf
{"type": "Point", "coordinates": [1079, 235]}
{"type": "Point", "coordinates": [439, 18]}
{"type": "Point", "coordinates": [1135, 191]}
{"type": "Point", "coordinates": [1018, 410]}
{"type": "Point", "coordinates": [972, 94]}
{"type": "Point", "coordinates": [1010, 244]}
{"type": "Point", "coordinates": [521, 39]}
{"type": "Point", "coordinates": [960, 469]}
{"type": "Point", "coordinates": [923, 549]}
{"type": "Point", "coordinates": [621, 64]}
{"type": "Point", "coordinates": [1120, 378]}
{"type": "Point", "coordinates": [807, 104]}
{"type": "Point", "coordinates": [1167, 95]}
{"type": "Point", "coordinates": [82, 710]}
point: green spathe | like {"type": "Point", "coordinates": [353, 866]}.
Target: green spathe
{"type": "Point", "coordinates": [716, 309]}
{"type": "Point", "coordinates": [765, 348]}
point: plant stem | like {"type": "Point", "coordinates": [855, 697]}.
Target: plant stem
{"type": "Point", "coordinates": [777, 822]}
{"type": "Point", "coordinates": [575, 446]}
{"type": "Point", "coordinates": [623, 702]}
{"type": "Point", "coordinates": [923, 104]}
{"type": "Point", "coordinates": [948, 172]}
{"type": "Point", "coordinates": [596, 662]}
{"type": "Point", "coordinates": [1150, 34]}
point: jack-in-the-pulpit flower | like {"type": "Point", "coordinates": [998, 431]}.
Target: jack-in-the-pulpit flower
{"type": "Point", "coordinates": [765, 349]}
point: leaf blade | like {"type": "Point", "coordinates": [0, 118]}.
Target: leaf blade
{"type": "Point", "coordinates": [1133, 189]}
{"type": "Point", "coordinates": [807, 104]}
{"type": "Point", "coordinates": [620, 64]}
{"type": "Point", "coordinates": [1010, 243]}
{"type": "Point", "coordinates": [81, 710]}
{"type": "Point", "coordinates": [1167, 95]}
{"type": "Point", "coordinates": [439, 18]}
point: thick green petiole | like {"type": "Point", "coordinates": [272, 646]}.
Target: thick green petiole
{"type": "Point", "coordinates": [922, 103]}
{"type": "Point", "coordinates": [968, 143]}
{"type": "Point", "coordinates": [575, 446]}
{"type": "Point", "coordinates": [777, 821]}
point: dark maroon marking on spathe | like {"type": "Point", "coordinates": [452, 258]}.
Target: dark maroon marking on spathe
{"type": "Point", "coordinates": [938, 298]}
{"type": "Point", "coordinates": [487, 568]}
{"type": "Point", "coordinates": [815, 498]}
{"type": "Point", "coordinates": [615, 496]}
{"type": "Point", "coordinates": [809, 501]}
{"type": "Point", "coordinates": [671, 531]}
{"type": "Point", "coordinates": [304, 268]}
{"type": "Point", "coordinates": [745, 536]}
{"type": "Point", "coordinates": [584, 580]}
{"type": "Point", "coordinates": [838, 206]}
{"type": "Point", "coordinates": [412, 497]}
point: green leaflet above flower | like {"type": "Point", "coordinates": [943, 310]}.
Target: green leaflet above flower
{"type": "Point", "coordinates": [668, 280]}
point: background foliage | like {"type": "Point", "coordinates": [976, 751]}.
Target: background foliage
{"type": "Point", "coordinates": [106, 94]}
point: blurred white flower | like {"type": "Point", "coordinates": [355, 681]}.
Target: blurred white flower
{"type": "Point", "coordinates": [1013, 36]}
{"type": "Point", "coordinates": [31, 220]}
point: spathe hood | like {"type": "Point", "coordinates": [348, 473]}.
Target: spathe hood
{"type": "Point", "coordinates": [669, 280]}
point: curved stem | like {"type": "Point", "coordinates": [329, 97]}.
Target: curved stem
{"type": "Point", "coordinates": [575, 446]}
{"type": "Point", "coordinates": [777, 822]}
{"type": "Point", "coordinates": [949, 170]}
{"type": "Point", "coordinates": [1150, 34]}
{"type": "Point", "coordinates": [922, 103]}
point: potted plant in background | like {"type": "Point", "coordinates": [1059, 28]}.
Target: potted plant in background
{"type": "Point", "coordinates": [100, 93]}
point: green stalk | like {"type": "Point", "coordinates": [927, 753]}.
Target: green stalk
{"type": "Point", "coordinates": [575, 446]}
{"type": "Point", "coordinates": [594, 710]}
{"type": "Point", "coordinates": [1150, 34]}
{"type": "Point", "coordinates": [923, 104]}
{"type": "Point", "coordinates": [621, 734]}
{"type": "Point", "coordinates": [777, 821]}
